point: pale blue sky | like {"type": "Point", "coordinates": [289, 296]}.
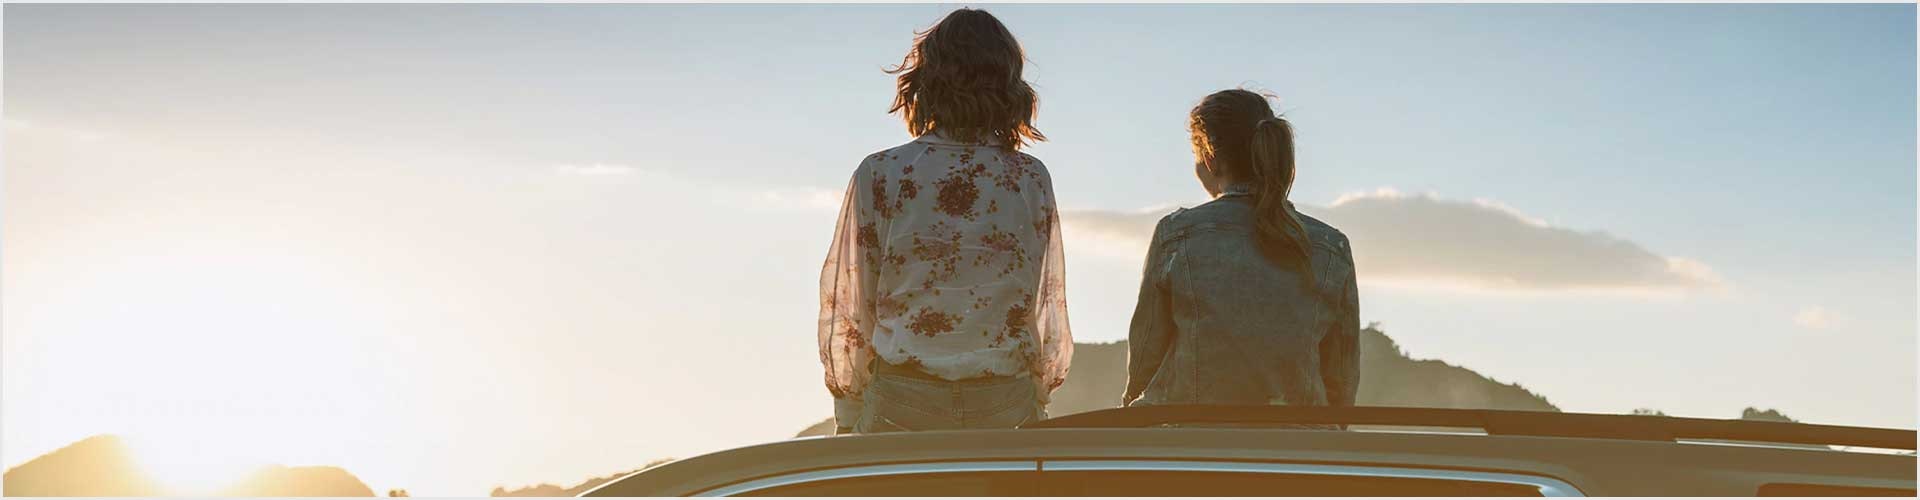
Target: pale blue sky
{"type": "Point", "coordinates": [386, 207]}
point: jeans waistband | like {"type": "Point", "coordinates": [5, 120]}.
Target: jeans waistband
{"type": "Point", "coordinates": [881, 367]}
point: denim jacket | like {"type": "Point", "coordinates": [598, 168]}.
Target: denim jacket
{"type": "Point", "coordinates": [1219, 323]}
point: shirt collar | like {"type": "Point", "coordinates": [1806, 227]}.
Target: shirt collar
{"type": "Point", "coordinates": [936, 137]}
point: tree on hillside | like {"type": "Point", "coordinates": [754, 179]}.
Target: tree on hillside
{"type": "Point", "coordinates": [1769, 415]}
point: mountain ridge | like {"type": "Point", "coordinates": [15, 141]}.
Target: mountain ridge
{"type": "Point", "coordinates": [1388, 377]}
{"type": "Point", "coordinates": [101, 466]}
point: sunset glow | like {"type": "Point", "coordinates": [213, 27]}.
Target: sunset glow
{"type": "Point", "coordinates": [450, 248]}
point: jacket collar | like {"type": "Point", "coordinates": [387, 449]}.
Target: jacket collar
{"type": "Point", "coordinates": [1242, 190]}
{"type": "Point", "coordinates": [1237, 189]}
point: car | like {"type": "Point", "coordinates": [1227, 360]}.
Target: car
{"type": "Point", "coordinates": [1204, 450]}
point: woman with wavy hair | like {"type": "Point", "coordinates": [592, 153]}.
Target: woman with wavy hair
{"type": "Point", "coordinates": [1244, 300]}
{"type": "Point", "coordinates": [942, 301]}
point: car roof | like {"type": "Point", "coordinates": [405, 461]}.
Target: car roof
{"type": "Point", "coordinates": [1596, 466]}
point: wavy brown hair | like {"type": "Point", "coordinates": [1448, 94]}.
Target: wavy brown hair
{"type": "Point", "coordinates": [1240, 133]}
{"type": "Point", "coordinates": [962, 77]}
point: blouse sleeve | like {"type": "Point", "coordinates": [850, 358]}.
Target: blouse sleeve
{"type": "Point", "coordinates": [846, 298]}
{"type": "Point", "coordinates": [1053, 339]}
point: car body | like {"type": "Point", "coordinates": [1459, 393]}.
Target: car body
{"type": "Point", "coordinates": [1135, 452]}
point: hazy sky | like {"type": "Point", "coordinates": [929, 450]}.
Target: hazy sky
{"type": "Point", "coordinates": [454, 247]}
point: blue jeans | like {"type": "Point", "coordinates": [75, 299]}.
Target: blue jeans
{"type": "Point", "coordinates": [896, 403]}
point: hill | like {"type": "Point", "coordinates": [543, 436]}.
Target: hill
{"type": "Point", "coordinates": [101, 466]}
{"type": "Point", "coordinates": [551, 490]}
{"type": "Point", "coordinates": [282, 481]}
{"type": "Point", "coordinates": [1388, 377]}
{"type": "Point", "coordinates": [98, 466]}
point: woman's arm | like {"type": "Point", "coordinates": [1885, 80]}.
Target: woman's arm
{"type": "Point", "coordinates": [1152, 330]}
{"type": "Point", "coordinates": [1052, 336]}
{"type": "Point", "coordinates": [847, 281]}
{"type": "Point", "coordinates": [1340, 348]}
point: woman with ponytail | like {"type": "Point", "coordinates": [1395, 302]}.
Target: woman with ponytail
{"type": "Point", "coordinates": [1244, 300]}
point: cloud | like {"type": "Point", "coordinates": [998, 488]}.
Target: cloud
{"type": "Point", "coordinates": [798, 198]}
{"type": "Point", "coordinates": [784, 198]}
{"type": "Point", "coordinates": [596, 169]}
{"type": "Point", "coordinates": [1399, 239]}
{"type": "Point", "coordinates": [29, 128]}
{"type": "Point", "coordinates": [1816, 318]}
{"type": "Point", "coordinates": [1428, 241]}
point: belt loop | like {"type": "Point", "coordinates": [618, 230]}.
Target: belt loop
{"type": "Point", "coordinates": [959, 402]}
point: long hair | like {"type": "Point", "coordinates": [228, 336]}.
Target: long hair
{"type": "Point", "coordinates": [962, 77]}
{"type": "Point", "coordinates": [1238, 131]}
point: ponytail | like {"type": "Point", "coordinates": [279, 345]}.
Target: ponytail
{"type": "Point", "coordinates": [1277, 227]}
{"type": "Point", "coordinates": [1239, 129]}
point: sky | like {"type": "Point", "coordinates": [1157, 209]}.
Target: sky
{"type": "Point", "coordinates": [453, 247]}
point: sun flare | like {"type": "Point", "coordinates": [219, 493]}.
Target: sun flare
{"type": "Point", "coordinates": [191, 464]}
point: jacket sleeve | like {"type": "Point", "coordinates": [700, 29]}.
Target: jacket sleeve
{"type": "Point", "coordinates": [1151, 333]}
{"type": "Point", "coordinates": [1340, 347]}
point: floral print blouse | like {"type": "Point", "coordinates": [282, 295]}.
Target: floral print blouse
{"type": "Point", "coordinates": [947, 257]}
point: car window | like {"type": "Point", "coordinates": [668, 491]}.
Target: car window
{"type": "Point", "coordinates": [944, 484]}
{"type": "Point", "coordinates": [1155, 483]}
